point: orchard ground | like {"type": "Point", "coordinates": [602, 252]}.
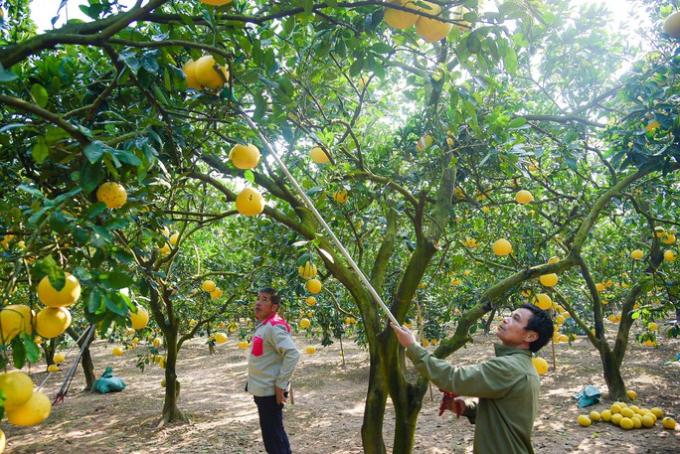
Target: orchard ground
{"type": "Point", "coordinates": [329, 402]}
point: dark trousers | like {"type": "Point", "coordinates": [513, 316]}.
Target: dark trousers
{"type": "Point", "coordinates": [271, 424]}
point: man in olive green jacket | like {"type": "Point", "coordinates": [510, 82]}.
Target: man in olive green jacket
{"type": "Point", "coordinates": [507, 385]}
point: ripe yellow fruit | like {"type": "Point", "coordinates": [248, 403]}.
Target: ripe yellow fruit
{"type": "Point", "coordinates": [523, 197]}
{"type": "Point", "coordinates": [668, 238]}
{"type": "Point", "coordinates": [189, 70]}
{"type": "Point", "coordinates": [600, 287]}
{"type": "Point", "coordinates": [672, 25]}
{"type": "Point", "coordinates": [606, 415]}
{"type": "Point", "coordinates": [52, 321]}
{"type": "Point", "coordinates": [15, 319]}
{"type": "Point", "coordinates": [502, 247]}
{"type": "Point", "coordinates": [616, 408]}
{"type": "Point", "coordinates": [668, 423]}
{"type": "Point", "coordinates": [112, 194]}
{"type": "Point", "coordinates": [341, 196]}
{"type": "Point", "coordinates": [626, 412]}
{"type": "Point", "coordinates": [584, 420]}
{"type": "Point", "coordinates": [220, 337]}
{"type": "Point", "coordinates": [67, 296]}
{"type": "Point", "coordinates": [669, 255]}
{"type": "Point", "coordinates": [249, 202]}
{"type": "Point", "coordinates": [117, 351]}
{"type": "Point", "coordinates": [243, 345]}
{"type": "Point", "coordinates": [244, 156]}
{"type": "Point", "coordinates": [216, 2]}
{"type": "Point", "coordinates": [648, 420]}
{"type": "Point", "coordinates": [157, 342]}
{"type": "Point", "coordinates": [616, 419]}
{"type": "Point", "coordinates": [304, 323]}
{"type": "Point", "coordinates": [311, 301]}
{"type": "Point", "coordinates": [174, 238]}
{"type": "Point", "coordinates": [17, 386]}
{"type": "Point", "coordinates": [307, 271]}
{"type": "Point", "coordinates": [53, 368]}
{"type": "Point", "coordinates": [543, 301]}
{"type": "Point", "coordinates": [632, 395]}
{"type": "Point", "coordinates": [59, 358]}
{"type": "Point", "coordinates": [140, 318]}
{"type": "Point", "coordinates": [626, 423]}
{"type": "Point", "coordinates": [548, 280]}
{"type": "Point", "coordinates": [424, 142]}
{"type": "Point", "coordinates": [652, 126]}
{"type": "Point", "coordinates": [658, 412]}
{"type": "Point", "coordinates": [470, 243]}
{"type": "Point", "coordinates": [637, 421]}
{"type": "Point", "coordinates": [637, 254]}
{"type": "Point", "coordinates": [401, 19]}
{"type": "Point", "coordinates": [310, 350]}
{"type": "Point", "coordinates": [313, 286]}
{"type": "Point", "coordinates": [319, 156]}
{"type": "Point", "coordinates": [455, 281]}
{"type": "Point", "coordinates": [32, 412]}
{"type": "Point", "coordinates": [540, 365]}
{"type": "Point", "coordinates": [165, 250]}
{"type": "Point", "coordinates": [216, 294]}
{"type": "Point", "coordinates": [208, 74]}
{"type": "Point", "coordinates": [38, 340]}
{"type": "Point", "coordinates": [208, 286]}
{"type": "Point", "coordinates": [432, 30]}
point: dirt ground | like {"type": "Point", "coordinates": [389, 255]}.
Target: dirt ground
{"type": "Point", "coordinates": [329, 400]}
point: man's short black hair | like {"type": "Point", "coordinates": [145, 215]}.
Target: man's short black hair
{"type": "Point", "coordinates": [542, 324]}
{"type": "Point", "coordinates": [273, 296]}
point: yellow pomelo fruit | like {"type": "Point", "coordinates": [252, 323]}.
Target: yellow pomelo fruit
{"type": "Point", "coordinates": [140, 318]}
{"type": "Point", "coordinates": [67, 296]}
{"type": "Point", "coordinates": [595, 416]}
{"type": "Point", "coordinates": [637, 421]}
{"type": "Point", "coordinates": [672, 25]}
{"type": "Point", "coordinates": [606, 415]}
{"type": "Point", "coordinates": [304, 323]}
{"type": "Point", "coordinates": [632, 395]}
{"type": "Point", "coordinates": [311, 301]}
{"type": "Point", "coordinates": [31, 413]}
{"type": "Point", "coordinates": [307, 271]}
{"type": "Point", "coordinates": [648, 420]}
{"type": "Point", "coordinates": [627, 412]}
{"type": "Point", "coordinates": [626, 423]}
{"type": "Point", "coordinates": [17, 386]}
{"type": "Point", "coordinates": [38, 340]}
{"type": "Point", "coordinates": [157, 342]}
{"type": "Point", "coordinates": [249, 202]}
{"type": "Point", "coordinates": [208, 286]}
{"type": "Point", "coordinates": [15, 319]}
{"type": "Point", "coordinates": [216, 2]}
{"type": "Point", "coordinates": [52, 368]}
{"type": "Point", "coordinates": [668, 238]}
{"type": "Point", "coordinates": [243, 345]}
{"type": "Point", "coordinates": [658, 412]}
{"type": "Point", "coordinates": [637, 254]}
{"type": "Point", "coordinates": [340, 196]}
{"type": "Point", "coordinates": [470, 243]}
{"type": "Point", "coordinates": [669, 256]}
{"type": "Point", "coordinates": [502, 247]}
{"type": "Point", "coordinates": [244, 156]}
{"type": "Point", "coordinates": [174, 238]}
{"type": "Point", "coordinates": [59, 358]}
{"type": "Point", "coordinates": [540, 365]}
{"type": "Point", "coordinates": [523, 197]}
{"type": "Point", "coordinates": [112, 194]}
{"type": "Point", "coordinates": [616, 419]}
{"type": "Point", "coordinates": [117, 351]}
{"type": "Point", "coordinates": [548, 280]}
{"type": "Point", "coordinates": [424, 142]}
{"type": "Point", "coordinates": [584, 420]}
{"type": "Point", "coordinates": [310, 350]}
{"type": "Point", "coordinates": [401, 19]}
{"type": "Point", "coordinates": [220, 337]}
{"type": "Point", "coordinates": [668, 423]}
{"type": "Point", "coordinates": [189, 70]}
{"type": "Point", "coordinates": [319, 156]}
{"type": "Point", "coordinates": [216, 294]}
{"type": "Point", "coordinates": [209, 74]}
{"type": "Point", "coordinates": [313, 286]}
{"type": "Point", "coordinates": [165, 250]}
{"type": "Point", "coordinates": [543, 301]}
{"type": "Point", "coordinates": [553, 260]}
{"type": "Point", "coordinates": [52, 321]}
{"type": "Point", "coordinates": [432, 30]}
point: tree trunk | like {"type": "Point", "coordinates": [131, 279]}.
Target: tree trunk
{"type": "Point", "coordinates": [49, 347]}
{"type": "Point", "coordinates": [171, 412]}
{"type": "Point", "coordinates": [85, 359]}
{"type": "Point", "coordinates": [374, 410]}
{"type": "Point", "coordinates": [487, 325]}
{"type": "Point", "coordinates": [612, 375]}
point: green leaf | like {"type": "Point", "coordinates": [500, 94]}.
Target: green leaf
{"type": "Point", "coordinates": [94, 151]}
{"type": "Point", "coordinates": [32, 350]}
{"type": "Point", "coordinates": [50, 268]}
{"type": "Point", "coordinates": [517, 122]}
{"type": "Point", "coordinates": [18, 352]}
{"type": "Point", "coordinates": [116, 304]}
{"type": "Point", "coordinates": [40, 150]}
{"type": "Point", "coordinates": [6, 75]}
{"type": "Point", "coordinates": [119, 279]}
{"type": "Point", "coordinates": [39, 95]}
{"type": "Point", "coordinates": [94, 302]}
{"type": "Point", "coordinates": [249, 176]}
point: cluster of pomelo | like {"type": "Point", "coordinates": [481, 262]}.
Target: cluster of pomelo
{"type": "Point", "coordinates": [628, 417]}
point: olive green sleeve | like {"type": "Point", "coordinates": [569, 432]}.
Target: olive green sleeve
{"type": "Point", "coordinates": [490, 379]}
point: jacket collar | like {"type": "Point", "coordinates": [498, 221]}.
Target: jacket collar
{"type": "Point", "coordinates": [504, 350]}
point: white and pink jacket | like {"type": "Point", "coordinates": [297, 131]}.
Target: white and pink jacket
{"type": "Point", "coordinates": [273, 357]}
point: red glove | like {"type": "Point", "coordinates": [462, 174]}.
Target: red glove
{"type": "Point", "coordinates": [449, 402]}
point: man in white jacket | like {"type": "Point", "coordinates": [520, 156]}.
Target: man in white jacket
{"type": "Point", "coordinates": [272, 359]}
